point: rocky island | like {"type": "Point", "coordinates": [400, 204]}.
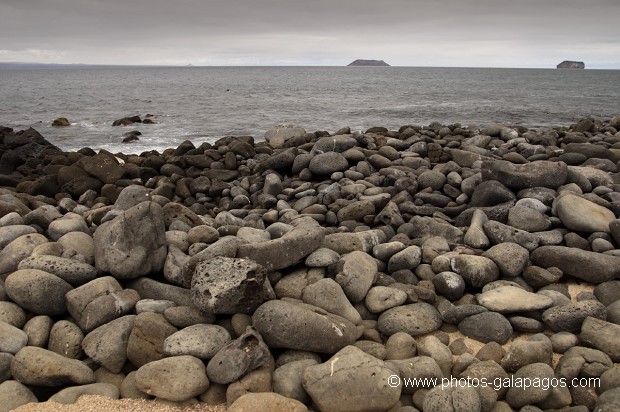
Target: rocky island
{"type": "Point", "coordinates": [568, 64]}
{"type": "Point", "coordinates": [373, 63]}
{"type": "Point", "coordinates": [316, 270]}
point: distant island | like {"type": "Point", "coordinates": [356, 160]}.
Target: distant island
{"type": "Point", "coordinates": [568, 64]}
{"type": "Point", "coordinates": [375, 63]}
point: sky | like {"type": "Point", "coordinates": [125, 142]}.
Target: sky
{"type": "Point", "coordinates": [451, 33]}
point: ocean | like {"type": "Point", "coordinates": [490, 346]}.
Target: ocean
{"type": "Point", "coordinates": [206, 103]}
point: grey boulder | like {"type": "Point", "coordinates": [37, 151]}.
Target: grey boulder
{"type": "Point", "coordinates": [178, 378]}
{"type": "Point", "coordinates": [41, 367]}
{"type": "Point", "coordinates": [132, 244]}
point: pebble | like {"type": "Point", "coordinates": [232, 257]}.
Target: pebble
{"type": "Point", "coordinates": [177, 378]}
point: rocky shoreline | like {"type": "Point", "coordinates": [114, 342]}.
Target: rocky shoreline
{"type": "Point", "coordinates": [316, 271]}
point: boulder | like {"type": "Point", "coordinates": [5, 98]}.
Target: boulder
{"type": "Point", "coordinates": [202, 341]}
{"type": "Point", "coordinates": [107, 345]}
{"type": "Point", "coordinates": [414, 319]}
{"type": "Point", "coordinates": [178, 378]}
{"type": "Point", "coordinates": [534, 174]}
{"type": "Point", "coordinates": [266, 402]}
{"type": "Point", "coordinates": [285, 251]}
{"type": "Point", "coordinates": [351, 380]}
{"type": "Point", "coordinates": [41, 367]}
{"type": "Point", "coordinates": [506, 299]}
{"type": "Point", "coordinates": [582, 215]}
{"type": "Point", "coordinates": [589, 266]}
{"type": "Point", "coordinates": [38, 292]}
{"type": "Point", "coordinates": [133, 244]}
{"type": "Point", "coordinates": [283, 324]}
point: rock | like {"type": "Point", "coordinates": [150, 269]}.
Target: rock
{"type": "Point", "coordinates": [41, 367]}
{"type": "Point", "coordinates": [519, 396]}
{"type": "Point", "coordinates": [424, 227]}
{"type": "Point", "coordinates": [506, 299]}
{"type": "Point", "coordinates": [80, 243]}
{"type": "Point", "coordinates": [148, 288]}
{"type": "Point", "coordinates": [414, 319]}
{"type": "Point", "coordinates": [14, 394]}
{"type": "Point", "coordinates": [419, 373]}
{"type": "Point", "coordinates": [178, 378]}
{"type": "Point", "coordinates": [286, 251]}
{"type": "Point", "coordinates": [18, 250]}
{"type": "Point", "coordinates": [357, 272]}
{"type": "Point", "coordinates": [528, 219]}
{"type": "Point", "coordinates": [61, 122]}
{"type": "Point", "coordinates": [12, 339]}
{"type": "Point", "coordinates": [452, 399]}
{"type": "Point", "coordinates": [38, 330]}
{"type": "Point", "coordinates": [356, 211]}
{"type": "Point", "coordinates": [202, 341]}
{"type": "Point", "coordinates": [602, 336]}
{"type": "Point", "coordinates": [133, 244]}
{"type": "Point", "coordinates": [107, 344]}
{"type": "Point", "coordinates": [100, 301]}
{"type": "Point", "coordinates": [382, 298]}
{"type": "Point", "coordinates": [71, 395]}
{"type": "Point", "coordinates": [227, 286]}
{"type": "Point", "coordinates": [589, 266]}
{"type": "Point", "coordinates": [569, 317]}
{"type": "Point", "coordinates": [328, 163]}
{"type": "Point", "coordinates": [525, 352]}
{"type": "Point", "coordinates": [608, 401]}
{"type": "Point", "coordinates": [343, 243]}
{"type": "Point", "coordinates": [10, 233]}
{"type": "Point", "coordinates": [351, 381]}
{"type": "Point", "coordinates": [38, 292]}
{"type": "Point", "coordinates": [126, 121]}
{"type": "Point", "coordinates": [322, 257]}
{"type": "Point", "coordinates": [12, 314]}
{"type": "Point", "coordinates": [238, 357]}
{"type": "Point", "coordinates": [289, 325]}
{"type": "Point", "coordinates": [146, 341]}
{"type": "Point", "coordinates": [581, 215]}
{"type": "Point", "coordinates": [491, 193]}
{"type": "Point", "coordinates": [475, 270]}
{"type": "Point", "coordinates": [287, 379]}
{"type": "Point", "coordinates": [500, 233]}
{"type": "Point", "coordinates": [475, 236]}
{"type": "Point", "coordinates": [70, 270]}
{"type": "Point", "coordinates": [449, 285]}
{"type": "Point", "coordinates": [278, 135]}
{"type": "Point", "coordinates": [66, 339]}
{"type": "Point", "coordinates": [408, 258]}
{"type": "Point", "coordinates": [329, 296]}
{"type": "Point", "coordinates": [153, 305]}
{"type": "Point", "coordinates": [487, 327]}
{"type": "Point", "coordinates": [510, 258]}
{"type": "Point", "coordinates": [533, 174]}
{"type": "Point", "coordinates": [266, 402]}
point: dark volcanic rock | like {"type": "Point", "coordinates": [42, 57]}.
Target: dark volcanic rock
{"type": "Point", "coordinates": [534, 174]}
{"type": "Point", "coordinates": [589, 266]}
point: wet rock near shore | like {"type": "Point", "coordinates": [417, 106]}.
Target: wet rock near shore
{"type": "Point", "coordinates": [314, 271]}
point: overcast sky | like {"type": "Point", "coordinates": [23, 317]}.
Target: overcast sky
{"type": "Point", "coordinates": [468, 33]}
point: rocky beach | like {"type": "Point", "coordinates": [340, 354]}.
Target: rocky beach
{"type": "Point", "coordinates": [430, 268]}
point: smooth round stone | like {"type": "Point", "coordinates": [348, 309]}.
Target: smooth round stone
{"type": "Point", "coordinates": [509, 257]}
{"type": "Point", "coordinates": [563, 341]}
{"type": "Point", "coordinates": [12, 339]}
{"type": "Point", "coordinates": [517, 397]}
{"type": "Point", "coordinates": [41, 367]}
{"type": "Point", "coordinates": [506, 299]}
{"type": "Point", "coordinates": [66, 339]}
{"type": "Point", "coordinates": [525, 324]}
{"type": "Point", "coordinates": [452, 398]}
{"type": "Point", "coordinates": [415, 319]}
{"type": "Point", "coordinates": [12, 314]}
{"type": "Point", "coordinates": [14, 394]}
{"type": "Point", "coordinates": [450, 285]}
{"type": "Point", "coordinates": [38, 292]}
{"type": "Point", "coordinates": [38, 330]}
{"type": "Point", "coordinates": [178, 378]}
{"type": "Point", "coordinates": [184, 316]}
{"type": "Point", "coordinates": [487, 327]}
{"type": "Point", "coordinates": [266, 402]}
{"type": "Point", "coordinates": [328, 295]}
{"type": "Point", "coordinates": [322, 257]}
{"type": "Point", "coordinates": [400, 345]}
{"type": "Point", "coordinates": [201, 341]}
{"type": "Point", "coordinates": [385, 251]}
{"type": "Point", "coordinates": [287, 379]}
{"type": "Point", "coordinates": [475, 270]}
{"type": "Point", "coordinates": [382, 298]}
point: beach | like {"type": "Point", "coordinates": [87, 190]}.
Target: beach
{"type": "Point", "coordinates": [384, 269]}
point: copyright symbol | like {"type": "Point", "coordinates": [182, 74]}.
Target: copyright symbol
{"type": "Point", "coordinates": [394, 381]}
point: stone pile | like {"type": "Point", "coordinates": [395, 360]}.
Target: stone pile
{"type": "Point", "coordinates": [317, 271]}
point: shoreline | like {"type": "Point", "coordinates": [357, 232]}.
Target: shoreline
{"type": "Point", "coordinates": [468, 251]}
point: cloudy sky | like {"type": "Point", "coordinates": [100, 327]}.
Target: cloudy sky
{"type": "Point", "coordinates": [469, 33]}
